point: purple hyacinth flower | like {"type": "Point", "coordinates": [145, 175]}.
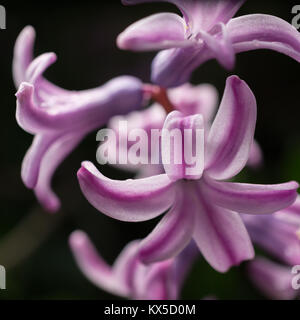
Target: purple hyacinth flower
{"type": "Point", "coordinates": [201, 205]}
{"type": "Point", "coordinates": [273, 279]}
{"type": "Point", "coordinates": [188, 99]}
{"type": "Point", "coordinates": [278, 234]}
{"type": "Point", "coordinates": [206, 31]}
{"type": "Point", "coordinates": [60, 119]}
{"type": "Point", "coordinates": [128, 277]}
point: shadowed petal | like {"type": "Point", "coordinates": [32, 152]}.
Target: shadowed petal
{"type": "Point", "coordinates": [231, 135]}
{"type": "Point", "coordinates": [87, 109]}
{"type": "Point", "coordinates": [23, 54]}
{"type": "Point", "coordinates": [173, 232]}
{"type": "Point", "coordinates": [156, 32]}
{"type": "Point", "coordinates": [47, 165]}
{"type": "Point", "coordinates": [129, 200]}
{"type": "Point", "coordinates": [273, 279]}
{"type": "Point", "coordinates": [93, 266]}
{"type": "Point", "coordinates": [250, 198]}
{"type": "Point", "coordinates": [221, 236]}
{"type": "Point", "coordinates": [255, 159]}
{"type": "Point", "coordinates": [261, 31]}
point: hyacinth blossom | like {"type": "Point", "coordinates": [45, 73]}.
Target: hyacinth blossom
{"type": "Point", "coordinates": [206, 31]}
{"type": "Point", "coordinates": [128, 277]}
{"type": "Point", "coordinates": [60, 119]}
{"type": "Point", "coordinates": [202, 205]}
{"type": "Point", "coordinates": [273, 279]}
{"type": "Point", "coordinates": [188, 99]}
{"type": "Point", "coordinates": [279, 235]}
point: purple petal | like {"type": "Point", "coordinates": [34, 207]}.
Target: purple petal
{"type": "Point", "coordinates": [277, 236]}
{"type": "Point", "coordinates": [201, 14]}
{"type": "Point", "coordinates": [261, 31]}
{"type": "Point", "coordinates": [173, 232]}
{"type": "Point", "coordinates": [231, 135]}
{"type": "Point", "coordinates": [23, 54]}
{"type": "Point", "coordinates": [274, 280]}
{"type": "Point", "coordinates": [156, 32]}
{"type": "Point", "coordinates": [250, 198]}
{"type": "Point", "coordinates": [183, 137]}
{"type": "Point", "coordinates": [93, 266]}
{"type": "Point", "coordinates": [191, 100]}
{"type": "Point", "coordinates": [220, 45]}
{"type": "Point", "coordinates": [86, 110]}
{"type": "Point", "coordinates": [47, 165]}
{"type": "Point", "coordinates": [173, 67]}
{"type": "Point", "coordinates": [129, 200]}
{"type": "Point", "coordinates": [221, 236]}
{"type": "Point", "coordinates": [255, 159]}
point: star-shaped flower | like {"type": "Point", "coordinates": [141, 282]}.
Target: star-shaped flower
{"type": "Point", "coordinates": [201, 205]}
{"type": "Point", "coordinates": [206, 31]}
{"type": "Point", "coordinates": [128, 277]}
{"type": "Point", "coordinates": [59, 119]}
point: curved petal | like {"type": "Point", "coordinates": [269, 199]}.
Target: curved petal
{"type": "Point", "coordinates": [255, 159]}
{"type": "Point", "coordinates": [231, 135]}
{"type": "Point", "coordinates": [278, 237]}
{"type": "Point", "coordinates": [201, 14]}
{"type": "Point", "coordinates": [221, 236]}
{"type": "Point", "coordinates": [250, 198]}
{"type": "Point", "coordinates": [273, 279]}
{"type": "Point", "coordinates": [126, 265]}
{"type": "Point", "coordinates": [172, 233]}
{"type": "Point", "coordinates": [38, 66]}
{"type": "Point", "coordinates": [182, 137]}
{"type": "Point", "coordinates": [261, 31]}
{"type": "Point", "coordinates": [156, 32]}
{"type": "Point", "coordinates": [34, 155]}
{"type": "Point", "coordinates": [85, 110]}
{"type": "Point", "coordinates": [23, 54]}
{"type": "Point", "coordinates": [221, 46]}
{"type": "Point", "coordinates": [173, 67]}
{"type": "Point", "coordinates": [93, 266]}
{"type": "Point", "coordinates": [129, 200]}
{"type": "Point", "coordinates": [48, 163]}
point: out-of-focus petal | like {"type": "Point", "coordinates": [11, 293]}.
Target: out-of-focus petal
{"type": "Point", "coordinates": [23, 54]}
{"type": "Point", "coordinates": [221, 236]}
{"type": "Point", "coordinates": [250, 198]}
{"type": "Point", "coordinates": [261, 31]}
{"type": "Point", "coordinates": [129, 200]}
{"type": "Point", "coordinates": [55, 155]}
{"type": "Point", "coordinates": [276, 236]}
{"type": "Point", "coordinates": [93, 266]}
{"type": "Point", "coordinates": [173, 67]}
{"type": "Point", "coordinates": [231, 135]}
{"type": "Point", "coordinates": [173, 232]}
{"type": "Point", "coordinates": [191, 100]}
{"type": "Point", "coordinates": [201, 14]}
{"type": "Point", "coordinates": [156, 32]}
{"type": "Point", "coordinates": [274, 280]}
{"type": "Point", "coordinates": [86, 109]}
{"type": "Point", "coordinates": [182, 138]}
{"type": "Point", "coordinates": [255, 156]}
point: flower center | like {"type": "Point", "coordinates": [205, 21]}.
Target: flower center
{"type": "Point", "coordinates": [159, 95]}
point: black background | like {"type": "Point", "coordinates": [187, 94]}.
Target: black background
{"type": "Point", "coordinates": [33, 244]}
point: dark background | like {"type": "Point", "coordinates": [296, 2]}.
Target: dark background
{"type": "Point", "coordinates": [33, 244]}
